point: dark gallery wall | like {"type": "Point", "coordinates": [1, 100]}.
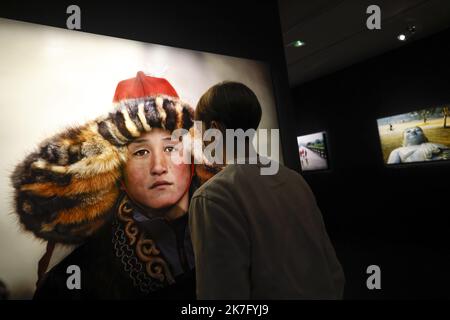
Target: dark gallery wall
{"type": "Point", "coordinates": [397, 218]}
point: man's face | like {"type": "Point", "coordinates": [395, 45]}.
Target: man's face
{"type": "Point", "coordinates": [151, 178]}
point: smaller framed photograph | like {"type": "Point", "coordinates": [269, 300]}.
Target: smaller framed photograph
{"type": "Point", "coordinates": [313, 151]}
{"type": "Point", "coordinates": [416, 137]}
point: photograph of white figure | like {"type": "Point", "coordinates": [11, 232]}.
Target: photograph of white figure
{"type": "Point", "coordinates": [417, 136]}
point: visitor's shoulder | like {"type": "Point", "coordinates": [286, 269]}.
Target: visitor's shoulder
{"type": "Point", "coordinates": [219, 184]}
{"type": "Point", "coordinates": [277, 171]}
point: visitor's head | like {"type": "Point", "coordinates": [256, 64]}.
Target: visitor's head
{"type": "Point", "coordinates": [230, 105]}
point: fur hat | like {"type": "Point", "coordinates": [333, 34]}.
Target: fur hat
{"type": "Point", "coordinates": [65, 190]}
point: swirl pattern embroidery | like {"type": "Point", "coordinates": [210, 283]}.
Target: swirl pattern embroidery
{"type": "Point", "coordinates": [148, 255]}
{"type": "Point", "coordinates": [155, 266]}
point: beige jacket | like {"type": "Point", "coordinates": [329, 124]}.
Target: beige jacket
{"type": "Point", "coordinates": [261, 237]}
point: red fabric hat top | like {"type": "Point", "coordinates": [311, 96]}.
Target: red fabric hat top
{"type": "Point", "coordinates": [143, 86]}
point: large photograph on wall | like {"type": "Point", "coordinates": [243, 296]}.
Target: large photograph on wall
{"type": "Point", "coordinates": [73, 104]}
{"type": "Point", "coordinates": [418, 136]}
{"type": "Point", "coordinates": [313, 153]}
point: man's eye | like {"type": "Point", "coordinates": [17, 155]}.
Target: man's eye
{"type": "Point", "coordinates": [140, 153]}
{"type": "Point", "coordinates": [169, 149]}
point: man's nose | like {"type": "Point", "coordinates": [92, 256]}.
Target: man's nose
{"type": "Point", "coordinates": [159, 164]}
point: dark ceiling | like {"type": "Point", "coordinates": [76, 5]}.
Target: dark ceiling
{"type": "Point", "coordinates": [336, 34]}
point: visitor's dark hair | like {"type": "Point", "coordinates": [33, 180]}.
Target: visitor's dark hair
{"type": "Point", "coordinates": [232, 103]}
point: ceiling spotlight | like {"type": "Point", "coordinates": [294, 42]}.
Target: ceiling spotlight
{"type": "Point", "coordinates": [296, 44]}
{"type": "Point", "coordinates": [408, 33]}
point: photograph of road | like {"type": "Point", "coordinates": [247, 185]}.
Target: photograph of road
{"type": "Point", "coordinates": [313, 152]}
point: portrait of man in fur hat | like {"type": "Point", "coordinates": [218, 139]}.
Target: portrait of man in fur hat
{"type": "Point", "coordinates": [111, 187]}
{"type": "Point", "coordinates": [91, 186]}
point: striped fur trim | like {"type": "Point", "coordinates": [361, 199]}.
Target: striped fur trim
{"type": "Point", "coordinates": [136, 116]}
{"type": "Point", "coordinates": [65, 191]}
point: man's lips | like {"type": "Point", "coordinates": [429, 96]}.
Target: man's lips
{"type": "Point", "coordinates": [160, 183]}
